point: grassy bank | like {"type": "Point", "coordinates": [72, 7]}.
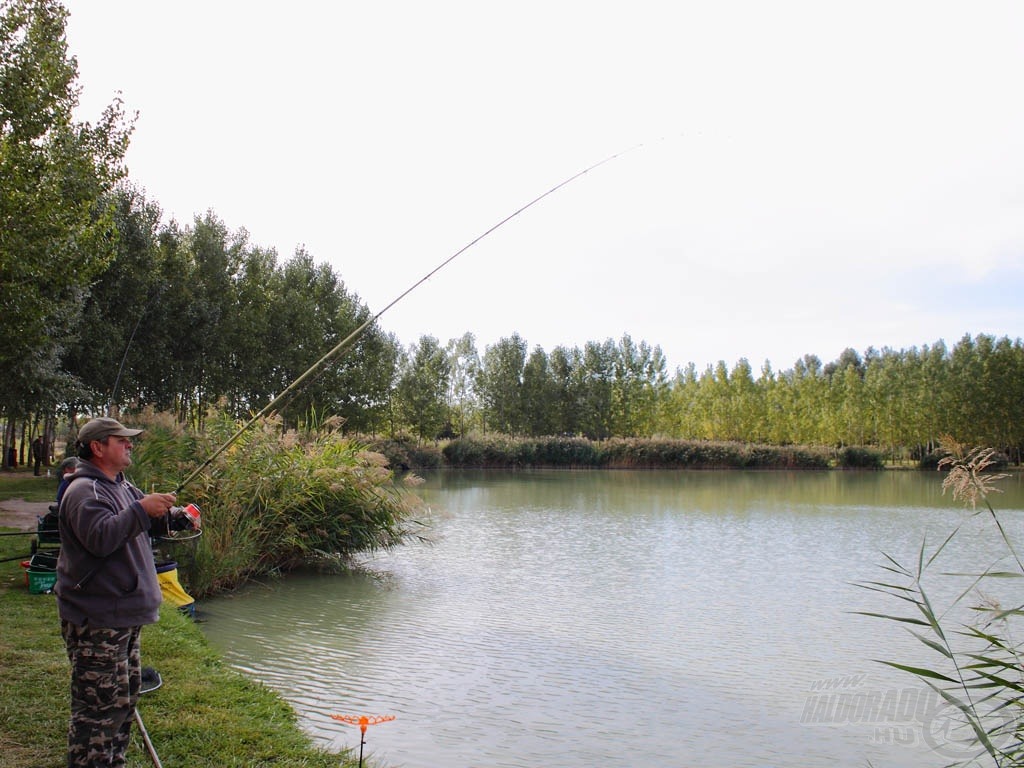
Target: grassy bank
{"type": "Point", "coordinates": [22, 484]}
{"type": "Point", "coordinates": [205, 714]}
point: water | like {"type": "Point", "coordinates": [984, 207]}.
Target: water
{"type": "Point", "coordinates": [582, 619]}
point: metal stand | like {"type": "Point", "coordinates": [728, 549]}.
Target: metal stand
{"type": "Point", "coordinates": [151, 680]}
{"type": "Point", "coordinates": [145, 740]}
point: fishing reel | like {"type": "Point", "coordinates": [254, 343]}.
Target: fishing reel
{"type": "Point", "coordinates": [187, 518]}
{"type": "Point", "coordinates": [183, 524]}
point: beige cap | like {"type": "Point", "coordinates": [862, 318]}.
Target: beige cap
{"type": "Point", "coordinates": [102, 427]}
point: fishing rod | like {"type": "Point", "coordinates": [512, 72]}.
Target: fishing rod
{"type": "Point", "coordinates": [120, 369]}
{"type": "Point", "coordinates": [112, 405]}
{"type": "Point", "coordinates": [349, 340]}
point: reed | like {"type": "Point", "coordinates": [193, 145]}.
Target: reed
{"type": "Point", "coordinates": [979, 667]}
{"type": "Point", "coordinates": [277, 499]}
{"type": "Point", "coordinates": [502, 451]}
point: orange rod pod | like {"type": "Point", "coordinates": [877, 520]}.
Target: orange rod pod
{"type": "Point", "coordinates": [363, 720]}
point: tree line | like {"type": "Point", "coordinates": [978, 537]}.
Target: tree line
{"type": "Point", "coordinates": [185, 317]}
{"type": "Point", "coordinates": [107, 307]}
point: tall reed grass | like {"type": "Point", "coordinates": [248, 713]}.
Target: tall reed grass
{"type": "Point", "coordinates": [276, 499]}
{"type": "Point", "coordinates": [978, 668]}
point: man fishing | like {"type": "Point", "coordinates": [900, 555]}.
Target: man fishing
{"type": "Point", "coordinates": [107, 589]}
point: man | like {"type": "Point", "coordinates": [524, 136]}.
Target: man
{"type": "Point", "coordinates": [106, 590]}
{"type": "Point", "coordinates": [38, 455]}
{"type": "Point", "coordinates": [65, 471]}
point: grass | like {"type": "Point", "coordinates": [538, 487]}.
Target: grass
{"type": "Point", "coordinates": [22, 484]}
{"type": "Point", "coordinates": [205, 714]}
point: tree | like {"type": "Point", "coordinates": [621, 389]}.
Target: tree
{"type": "Point", "coordinates": [596, 374]}
{"type": "Point", "coordinates": [114, 343]}
{"type": "Point", "coordinates": [254, 362]}
{"type": "Point", "coordinates": [681, 417]}
{"type": "Point", "coordinates": [883, 391]}
{"type": "Point", "coordinates": [748, 403]}
{"type": "Point", "coordinates": [314, 313]}
{"type": "Point", "coordinates": [810, 401]}
{"type": "Point", "coordinates": [639, 382]}
{"type": "Point", "coordinates": [539, 394]}
{"type": "Point", "coordinates": [562, 366]}
{"type": "Point", "coordinates": [56, 218]}
{"type": "Point", "coordinates": [463, 362]}
{"type": "Point", "coordinates": [499, 384]}
{"type": "Point", "coordinates": [423, 388]}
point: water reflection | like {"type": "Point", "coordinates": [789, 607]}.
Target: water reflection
{"type": "Point", "coordinates": [632, 618]}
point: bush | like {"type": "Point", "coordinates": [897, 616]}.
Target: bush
{"type": "Point", "coordinates": [405, 453]}
{"type": "Point", "coordinates": [275, 500]}
{"type": "Point", "coordinates": [494, 452]}
{"type": "Point", "coordinates": [491, 451]}
{"type": "Point", "coordinates": [853, 457]}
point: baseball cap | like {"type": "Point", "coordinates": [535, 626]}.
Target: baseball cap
{"type": "Point", "coordinates": [102, 427]}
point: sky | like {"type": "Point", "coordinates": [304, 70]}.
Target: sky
{"type": "Point", "coordinates": [785, 178]}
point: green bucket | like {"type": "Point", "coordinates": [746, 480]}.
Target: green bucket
{"type": "Point", "coordinates": [40, 582]}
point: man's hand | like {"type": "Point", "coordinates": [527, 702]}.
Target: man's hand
{"type": "Point", "coordinates": [157, 504]}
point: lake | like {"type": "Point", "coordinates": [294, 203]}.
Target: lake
{"type": "Point", "coordinates": [575, 619]}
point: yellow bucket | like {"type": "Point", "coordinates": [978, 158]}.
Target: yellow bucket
{"type": "Point", "coordinates": [173, 592]}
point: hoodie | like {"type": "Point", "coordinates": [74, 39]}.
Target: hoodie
{"type": "Point", "coordinates": [105, 570]}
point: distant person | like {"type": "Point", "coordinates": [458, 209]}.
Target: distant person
{"type": "Point", "coordinates": [107, 589]}
{"type": "Point", "coordinates": [38, 455]}
{"type": "Point", "coordinates": [65, 471]}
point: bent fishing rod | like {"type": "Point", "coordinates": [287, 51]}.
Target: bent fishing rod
{"type": "Point", "coordinates": [349, 340]}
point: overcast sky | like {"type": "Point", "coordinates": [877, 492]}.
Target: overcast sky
{"type": "Point", "coordinates": [796, 177]}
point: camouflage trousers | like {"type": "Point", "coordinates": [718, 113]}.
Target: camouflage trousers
{"type": "Point", "coordinates": [106, 676]}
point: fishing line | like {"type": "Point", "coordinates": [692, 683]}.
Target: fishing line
{"type": "Point", "coordinates": [349, 340]}
{"type": "Point", "coordinates": [111, 407]}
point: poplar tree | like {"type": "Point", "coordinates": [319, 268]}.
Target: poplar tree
{"type": "Point", "coordinates": [57, 227]}
{"type": "Point", "coordinates": [499, 384]}
{"type": "Point", "coordinates": [423, 387]}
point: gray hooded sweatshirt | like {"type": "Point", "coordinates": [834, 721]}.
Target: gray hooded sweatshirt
{"type": "Point", "coordinates": [105, 570]}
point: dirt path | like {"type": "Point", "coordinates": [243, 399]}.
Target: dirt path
{"type": "Point", "coordinates": [21, 514]}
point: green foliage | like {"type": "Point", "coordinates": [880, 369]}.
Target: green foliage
{"type": "Point", "coordinates": [227, 322]}
{"type": "Point", "coordinates": [276, 499]}
{"type": "Point", "coordinates": [404, 452]}
{"type": "Point", "coordinates": [56, 226]}
{"type": "Point", "coordinates": [499, 451]}
{"type": "Point", "coordinates": [859, 457]}
{"type": "Point", "coordinates": [479, 452]}
{"type": "Point", "coordinates": [499, 385]}
{"type": "Point", "coordinates": [422, 389]}
{"type": "Point", "coordinates": [567, 452]}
